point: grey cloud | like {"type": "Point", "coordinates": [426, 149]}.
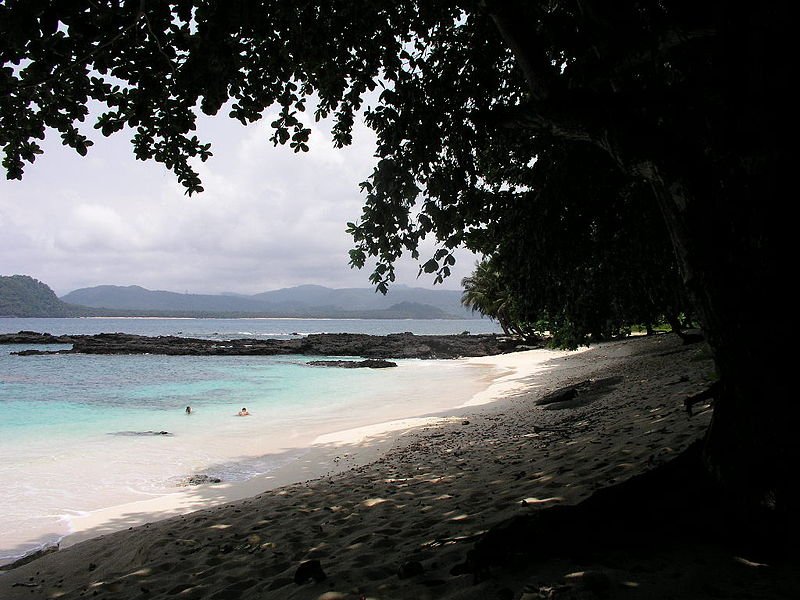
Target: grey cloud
{"type": "Point", "coordinates": [268, 219]}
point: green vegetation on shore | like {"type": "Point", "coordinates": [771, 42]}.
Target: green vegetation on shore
{"type": "Point", "coordinates": [23, 296]}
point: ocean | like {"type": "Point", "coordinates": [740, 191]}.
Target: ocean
{"type": "Point", "coordinates": [239, 328]}
{"type": "Point", "coordinates": [79, 433]}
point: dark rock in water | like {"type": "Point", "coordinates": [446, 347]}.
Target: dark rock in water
{"type": "Point", "coordinates": [38, 352]}
{"type": "Point", "coordinates": [396, 345]}
{"type": "Point", "coordinates": [310, 569]}
{"type": "Point", "coordinates": [30, 557]}
{"type": "Point", "coordinates": [198, 480]}
{"type": "Point", "coordinates": [412, 568]}
{"type": "Point", "coordinates": [33, 337]}
{"type": "Point", "coordinates": [370, 363]}
{"type": "Point", "coordinates": [137, 433]}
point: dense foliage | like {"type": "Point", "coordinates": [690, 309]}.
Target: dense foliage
{"type": "Point", "coordinates": [488, 292]}
{"type": "Point", "coordinates": [437, 119]}
{"type": "Point", "coordinates": [581, 265]}
{"type": "Point", "coordinates": [23, 296]}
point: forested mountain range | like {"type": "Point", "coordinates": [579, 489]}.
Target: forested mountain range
{"type": "Point", "coordinates": [295, 301]}
{"type": "Point", "coordinates": [302, 301]}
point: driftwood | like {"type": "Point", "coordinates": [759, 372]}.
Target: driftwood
{"type": "Point", "coordinates": [579, 394]}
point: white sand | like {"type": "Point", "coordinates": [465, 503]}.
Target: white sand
{"type": "Point", "coordinates": [430, 491]}
{"type": "Point", "coordinates": [325, 456]}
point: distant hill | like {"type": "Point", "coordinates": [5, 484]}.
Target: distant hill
{"type": "Point", "coordinates": [23, 296]}
{"type": "Point", "coordinates": [449, 301]}
{"type": "Point", "coordinates": [302, 301]}
{"type": "Point", "coordinates": [405, 310]}
{"type": "Point", "coordinates": [133, 297]}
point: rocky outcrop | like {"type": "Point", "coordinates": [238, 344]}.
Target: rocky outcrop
{"type": "Point", "coordinates": [141, 433]}
{"type": "Point", "coordinates": [201, 479]}
{"type": "Point", "coordinates": [398, 345]}
{"type": "Point", "coordinates": [32, 337]}
{"type": "Point", "coordinates": [370, 363]}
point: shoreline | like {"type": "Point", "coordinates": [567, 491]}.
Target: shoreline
{"type": "Point", "coordinates": [399, 526]}
{"type": "Point", "coordinates": [321, 458]}
{"type": "Point", "coordinates": [209, 444]}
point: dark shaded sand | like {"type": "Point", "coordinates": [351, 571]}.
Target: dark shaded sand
{"type": "Point", "coordinates": [402, 526]}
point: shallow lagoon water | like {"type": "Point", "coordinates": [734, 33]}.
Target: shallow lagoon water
{"type": "Point", "coordinates": [71, 425]}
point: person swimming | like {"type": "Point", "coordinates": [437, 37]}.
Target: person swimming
{"type": "Point", "coordinates": [243, 412]}
{"type": "Point", "coordinates": [188, 410]}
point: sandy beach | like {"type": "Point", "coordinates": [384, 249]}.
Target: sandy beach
{"type": "Point", "coordinates": [389, 510]}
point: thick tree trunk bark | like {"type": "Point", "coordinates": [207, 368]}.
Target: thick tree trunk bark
{"type": "Point", "coordinates": [719, 193]}
{"type": "Point", "coordinates": [732, 233]}
{"type": "Point", "coordinates": [728, 263]}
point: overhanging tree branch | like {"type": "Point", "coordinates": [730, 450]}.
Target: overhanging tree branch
{"type": "Point", "coordinates": [523, 43]}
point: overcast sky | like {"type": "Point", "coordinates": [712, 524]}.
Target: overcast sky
{"type": "Point", "coordinates": [268, 218]}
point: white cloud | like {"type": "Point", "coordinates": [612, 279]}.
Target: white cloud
{"type": "Point", "coordinates": [268, 218]}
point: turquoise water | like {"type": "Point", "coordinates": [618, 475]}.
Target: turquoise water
{"type": "Point", "coordinates": [71, 425]}
{"type": "Point", "coordinates": [140, 392]}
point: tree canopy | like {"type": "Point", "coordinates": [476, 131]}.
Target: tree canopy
{"type": "Point", "coordinates": [444, 80]}
{"type": "Point", "coordinates": [570, 139]}
{"type": "Point", "coordinates": [583, 258]}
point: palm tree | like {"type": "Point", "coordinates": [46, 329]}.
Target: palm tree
{"type": "Point", "coordinates": [485, 293]}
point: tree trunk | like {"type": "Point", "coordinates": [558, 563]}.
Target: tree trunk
{"type": "Point", "coordinates": [728, 267]}
{"type": "Point", "coordinates": [719, 193]}
{"type": "Point", "coordinates": [730, 227]}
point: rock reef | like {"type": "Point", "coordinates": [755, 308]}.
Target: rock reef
{"type": "Point", "coordinates": [396, 345]}
{"type": "Point", "coordinates": [33, 337]}
{"type": "Point", "coordinates": [370, 363]}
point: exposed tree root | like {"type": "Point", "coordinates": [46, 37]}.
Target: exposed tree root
{"type": "Point", "coordinates": [708, 394]}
